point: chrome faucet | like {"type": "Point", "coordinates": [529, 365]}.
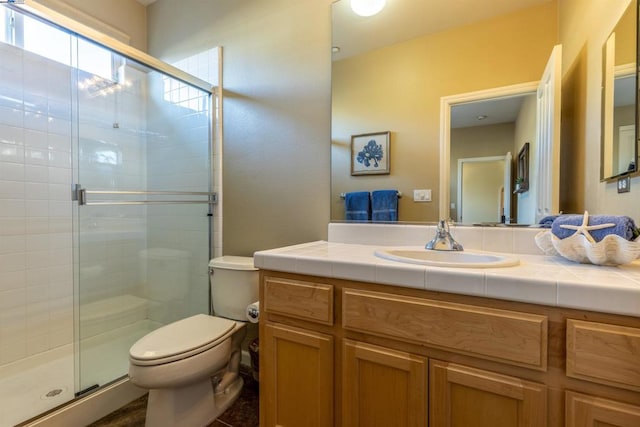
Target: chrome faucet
{"type": "Point", "coordinates": [443, 241]}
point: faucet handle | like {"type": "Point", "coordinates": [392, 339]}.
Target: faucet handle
{"type": "Point", "coordinates": [443, 239]}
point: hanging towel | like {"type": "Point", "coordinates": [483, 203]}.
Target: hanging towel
{"type": "Point", "coordinates": [623, 226]}
{"type": "Point", "coordinates": [384, 205]}
{"type": "Point", "coordinates": [357, 206]}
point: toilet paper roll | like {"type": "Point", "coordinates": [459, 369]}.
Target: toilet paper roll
{"type": "Point", "coordinates": [253, 312]}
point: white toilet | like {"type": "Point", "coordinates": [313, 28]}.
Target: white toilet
{"type": "Point", "coordinates": [191, 366]}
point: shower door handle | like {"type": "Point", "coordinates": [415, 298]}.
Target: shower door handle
{"type": "Point", "coordinates": [80, 195]}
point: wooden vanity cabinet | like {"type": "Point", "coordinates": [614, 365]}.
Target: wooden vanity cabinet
{"type": "Point", "coordinates": [382, 387]}
{"type": "Point", "coordinates": [343, 353]}
{"type": "Point", "coordinates": [298, 377]}
{"type": "Point", "coordinates": [602, 353]}
{"type": "Point", "coordinates": [589, 411]}
{"type": "Point", "coordinates": [461, 396]}
{"type": "Point", "coordinates": [296, 364]}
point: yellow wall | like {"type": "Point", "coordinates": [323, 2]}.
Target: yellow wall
{"type": "Point", "coordinates": [398, 88]}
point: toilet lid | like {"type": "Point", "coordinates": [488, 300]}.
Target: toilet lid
{"type": "Point", "coordinates": [181, 339]}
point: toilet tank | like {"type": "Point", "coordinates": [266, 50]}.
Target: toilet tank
{"type": "Point", "coordinates": [234, 285]}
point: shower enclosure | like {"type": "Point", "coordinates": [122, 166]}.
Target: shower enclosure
{"type": "Point", "coordinates": [105, 208]}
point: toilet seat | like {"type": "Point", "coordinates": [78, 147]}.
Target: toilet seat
{"type": "Point", "coordinates": [180, 340]}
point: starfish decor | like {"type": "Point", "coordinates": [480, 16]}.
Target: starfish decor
{"type": "Point", "coordinates": [585, 227]}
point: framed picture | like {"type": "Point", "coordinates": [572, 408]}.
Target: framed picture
{"type": "Point", "coordinates": [522, 170]}
{"type": "Point", "coordinates": [370, 154]}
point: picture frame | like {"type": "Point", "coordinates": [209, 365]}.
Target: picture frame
{"type": "Point", "coordinates": [522, 170]}
{"type": "Point", "coordinates": [370, 154]}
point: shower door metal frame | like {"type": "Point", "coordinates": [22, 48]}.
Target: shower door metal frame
{"type": "Point", "coordinates": [36, 9]}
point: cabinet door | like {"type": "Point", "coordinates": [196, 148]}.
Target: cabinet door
{"type": "Point", "coordinates": [297, 383]}
{"type": "Point", "coordinates": [460, 396]}
{"type": "Point", "coordinates": [382, 387]}
{"type": "Point", "coordinates": [589, 411]}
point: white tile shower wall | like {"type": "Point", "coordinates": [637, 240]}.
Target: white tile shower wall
{"type": "Point", "coordinates": [36, 277]}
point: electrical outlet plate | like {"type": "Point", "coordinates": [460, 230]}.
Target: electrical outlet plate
{"type": "Point", "coordinates": [422, 195]}
{"type": "Point", "coordinates": [624, 184]}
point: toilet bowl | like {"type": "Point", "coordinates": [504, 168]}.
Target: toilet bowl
{"type": "Point", "coordinates": [190, 366]}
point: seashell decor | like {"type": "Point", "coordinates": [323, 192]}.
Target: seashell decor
{"type": "Point", "coordinates": [611, 250]}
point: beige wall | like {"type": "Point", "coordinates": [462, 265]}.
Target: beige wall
{"type": "Point", "coordinates": [584, 28]}
{"type": "Point", "coordinates": [124, 20]}
{"type": "Point", "coordinates": [276, 77]}
{"type": "Point", "coordinates": [398, 88]}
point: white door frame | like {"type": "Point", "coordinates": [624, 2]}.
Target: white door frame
{"type": "Point", "coordinates": [547, 164]}
{"type": "Point", "coordinates": [446, 103]}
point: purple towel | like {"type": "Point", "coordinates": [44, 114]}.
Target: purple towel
{"type": "Point", "coordinates": [623, 226]}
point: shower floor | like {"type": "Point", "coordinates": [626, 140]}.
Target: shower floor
{"type": "Point", "coordinates": [24, 384]}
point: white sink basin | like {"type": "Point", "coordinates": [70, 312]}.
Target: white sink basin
{"type": "Point", "coordinates": [464, 259]}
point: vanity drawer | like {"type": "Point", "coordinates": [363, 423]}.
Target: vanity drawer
{"type": "Point", "coordinates": [302, 300]}
{"type": "Point", "coordinates": [508, 336]}
{"type": "Point", "coordinates": [602, 353]}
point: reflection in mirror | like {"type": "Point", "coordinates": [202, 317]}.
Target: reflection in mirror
{"type": "Point", "coordinates": [398, 83]}
{"type": "Point", "coordinates": [398, 86]}
{"type": "Point", "coordinates": [619, 150]}
{"type": "Point", "coordinates": [488, 131]}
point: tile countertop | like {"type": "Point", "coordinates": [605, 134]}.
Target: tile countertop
{"type": "Point", "coordinates": [538, 279]}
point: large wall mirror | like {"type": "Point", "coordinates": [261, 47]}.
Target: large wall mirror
{"type": "Point", "coordinates": [390, 72]}
{"type": "Point", "coordinates": [619, 154]}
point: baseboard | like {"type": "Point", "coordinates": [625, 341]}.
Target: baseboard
{"type": "Point", "coordinates": [86, 410]}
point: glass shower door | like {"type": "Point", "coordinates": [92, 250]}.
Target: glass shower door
{"type": "Point", "coordinates": [144, 207]}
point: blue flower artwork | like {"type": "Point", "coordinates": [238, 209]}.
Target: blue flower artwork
{"type": "Point", "coordinates": [371, 152]}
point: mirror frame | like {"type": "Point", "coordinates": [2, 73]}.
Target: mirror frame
{"type": "Point", "coordinates": [609, 74]}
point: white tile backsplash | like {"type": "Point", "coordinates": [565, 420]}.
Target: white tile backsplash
{"type": "Point", "coordinates": [495, 239]}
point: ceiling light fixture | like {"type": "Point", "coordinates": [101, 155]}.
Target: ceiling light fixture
{"type": "Point", "coordinates": [367, 7]}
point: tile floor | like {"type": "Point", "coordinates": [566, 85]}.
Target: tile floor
{"type": "Point", "coordinates": [243, 413]}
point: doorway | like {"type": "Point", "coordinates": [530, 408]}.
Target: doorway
{"type": "Point", "coordinates": [481, 189]}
